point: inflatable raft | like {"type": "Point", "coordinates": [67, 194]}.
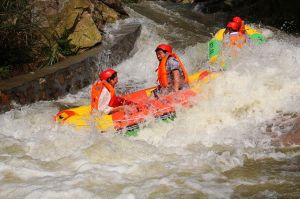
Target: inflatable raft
{"type": "Point", "coordinates": [145, 107]}
{"type": "Point", "coordinates": [215, 44]}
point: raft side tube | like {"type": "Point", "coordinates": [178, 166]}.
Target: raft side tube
{"type": "Point", "coordinates": [257, 38]}
{"type": "Point", "coordinates": [214, 48]}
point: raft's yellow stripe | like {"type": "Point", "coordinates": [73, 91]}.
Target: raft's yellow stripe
{"type": "Point", "coordinates": [84, 118]}
{"type": "Point", "coordinates": [249, 30]}
{"type": "Point", "coordinates": [220, 34]}
{"type": "Point", "coordinates": [104, 123]}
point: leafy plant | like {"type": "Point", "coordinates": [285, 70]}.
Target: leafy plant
{"type": "Point", "coordinates": [18, 34]}
{"type": "Point", "coordinates": [61, 48]}
{"type": "Point", "coordinates": [64, 45]}
{"type": "Point", "coordinates": [130, 1]}
{"type": "Point", "coordinates": [23, 42]}
{"type": "Point", "coordinates": [4, 72]}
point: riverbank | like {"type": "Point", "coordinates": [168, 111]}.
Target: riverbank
{"type": "Point", "coordinates": [39, 33]}
{"type": "Point", "coordinates": [71, 74]}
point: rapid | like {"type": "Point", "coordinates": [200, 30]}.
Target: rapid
{"type": "Point", "coordinates": [219, 148]}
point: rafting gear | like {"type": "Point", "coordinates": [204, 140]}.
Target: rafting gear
{"type": "Point", "coordinates": [216, 43]}
{"type": "Point", "coordinates": [233, 25]}
{"type": "Point", "coordinates": [237, 39]}
{"type": "Point", "coordinates": [105, 75]}
{"type": "Point", "coordinates": [162, 73]}
{"type": "Point", "coordinates": [97, 89]}
{"type": "Point", "coordinates": [147, 108]}
{"type": "Point", "coordinates": [237, 20]}
{"type": "Point", "coordinates": [240, 23]}
{"type": "Point", "coordinates": [164, 47]}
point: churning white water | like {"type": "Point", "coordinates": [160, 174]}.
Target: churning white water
{"type": "Point", "coordinates": [219, 148]}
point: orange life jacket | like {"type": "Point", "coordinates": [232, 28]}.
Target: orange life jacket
{"type": "Point", "coordinates": [237, 39]}
{"type": "Point", "coordinates": [162, 72]}
{"type": "Point", "coordinates": [96, 91]}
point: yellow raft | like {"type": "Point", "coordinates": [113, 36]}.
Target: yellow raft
{"type": "Point", "coordinates": [215, 44]}
{"type": "Point", "coordinates": [163, 108]}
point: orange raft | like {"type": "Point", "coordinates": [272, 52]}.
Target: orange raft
{"type": "Point", "coordinates": [130, 121]}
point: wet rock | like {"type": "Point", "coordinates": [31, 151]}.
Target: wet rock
{"type": "Point", "coordinates": [30, 93]}
{"type": "Point", "coordinates": [68, 17]}
{"type": "Point", "coordinates": [71, 74]}
{"type": "Point", "coordinates": [61, 79]}
{"type": "Point", "coordinates": [284, 129]}
{"type": "Point", "coordinates": [68, 21]}
{"type": "Point", "coordinates": [108, 14]}
{"type": "Point", "coordinates": [116, 5]}
{"type": "Point", "coordinates": [86, 33]}
{"type": "Point", "coordinates": [80, 4]}
{"type": "Point", "coordinates": [20, 97]}
{"type": "Point", "coordinates": [79, 20]}
{"type": "Point", "coordinates": [282, 14]}
{"type": "Point", "coordinates": [187, 1]}
{"type": "Point", "coordinates": [4, 98]}
{"type": "Point", "coordinates": [292, 137]}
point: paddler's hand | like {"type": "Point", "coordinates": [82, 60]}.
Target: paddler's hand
{"type": "Point", "coordinates": [116, 109]}
{"type": "Point", "coordinates": [127, 102]}
{"type": "Point", "coordinates": [131, 109]}
{"type": "Point", "coordinates": [155, 92]}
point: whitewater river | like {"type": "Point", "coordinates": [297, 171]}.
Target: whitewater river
{"type": "Point", "coordinates": [220, 148]}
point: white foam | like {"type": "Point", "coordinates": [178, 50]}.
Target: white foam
{"type": "Point", "coordinates": [40, 159]}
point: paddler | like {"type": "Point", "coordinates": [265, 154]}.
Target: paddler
{"type": "Point", "coordinates": [103, 94]}
{"type": "Point", "coordinates": [234, 36]}
{"type": "Point", "coordinates": [171, 73]}
{"type": "Point", "coordinates": [241, 24]}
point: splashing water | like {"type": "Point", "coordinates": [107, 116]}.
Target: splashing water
{"type": "Point", "coordinates": [217, 149]}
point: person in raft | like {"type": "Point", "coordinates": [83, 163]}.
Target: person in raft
{"type": "Point", "coordinates": [234, 37]}
{"type": "Point", "coordinates": [240, 23]}
{"type": "Point", "coordinates": [171, 73]}
{"type": "Point", "coordinates": [103, 94]}
{"type": "Point", "coordinates": [245, 29]}
{"type": "Point", "coordinates": [235, 32]}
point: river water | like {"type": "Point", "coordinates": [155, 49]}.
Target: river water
{"type": "Point", "coordinates": [220, 148]}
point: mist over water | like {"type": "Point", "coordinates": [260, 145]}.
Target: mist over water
{"type": "Point", "coordinates": [219, 148]}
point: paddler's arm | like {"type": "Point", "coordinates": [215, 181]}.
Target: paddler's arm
{"type": "Point", "coordinates": [124, 101]}
{"type": "Point", "coordinates": [104, 107]}
{"type": "Point", "coordinates": [174, 67]}
{"type": "Point", "coordinates": [116, 109]}
{"type": "Point", "coordinates": [176, 76]}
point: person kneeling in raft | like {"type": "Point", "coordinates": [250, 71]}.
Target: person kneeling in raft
{"type": "Point", "coordinates": [241, 29]}
{"type": "Point", "coordinates": [234, 37]}
{"type": "Point", "coordinates": [103, 97]}
{"type": "Point", "coordinates": [171, 73]}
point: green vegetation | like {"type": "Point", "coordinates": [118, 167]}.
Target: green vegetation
{"type": "Point", "coordinates": [4, 71]}
{"type": "Point", "coordinates": [132, 133]}
{"type": "Point", "coordinates": [129, 1]}
{"type": "Point", "coordinates": [17, 35]}
{"type": "Point", "coordinates": [24, 45]}
{"type": "Point", "coordinates": [61, 48]}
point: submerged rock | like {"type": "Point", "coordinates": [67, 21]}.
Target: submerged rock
{"type": "Point", "coordinates": [285, 129]}
{"type": "Point", "coordinates": [292, 137]}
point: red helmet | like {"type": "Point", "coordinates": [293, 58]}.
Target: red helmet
{"type": "Point", "coordinates": [106, 74]}
{"type": "Point", "coordinates": [237, 20]}
{"type": "Point", "coordinates": [233, 25]}
{"type": "Point", "coordinates": [164, 47]}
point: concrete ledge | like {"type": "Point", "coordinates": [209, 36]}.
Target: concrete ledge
{"type": "Point", "coordinates": [70, 75]}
